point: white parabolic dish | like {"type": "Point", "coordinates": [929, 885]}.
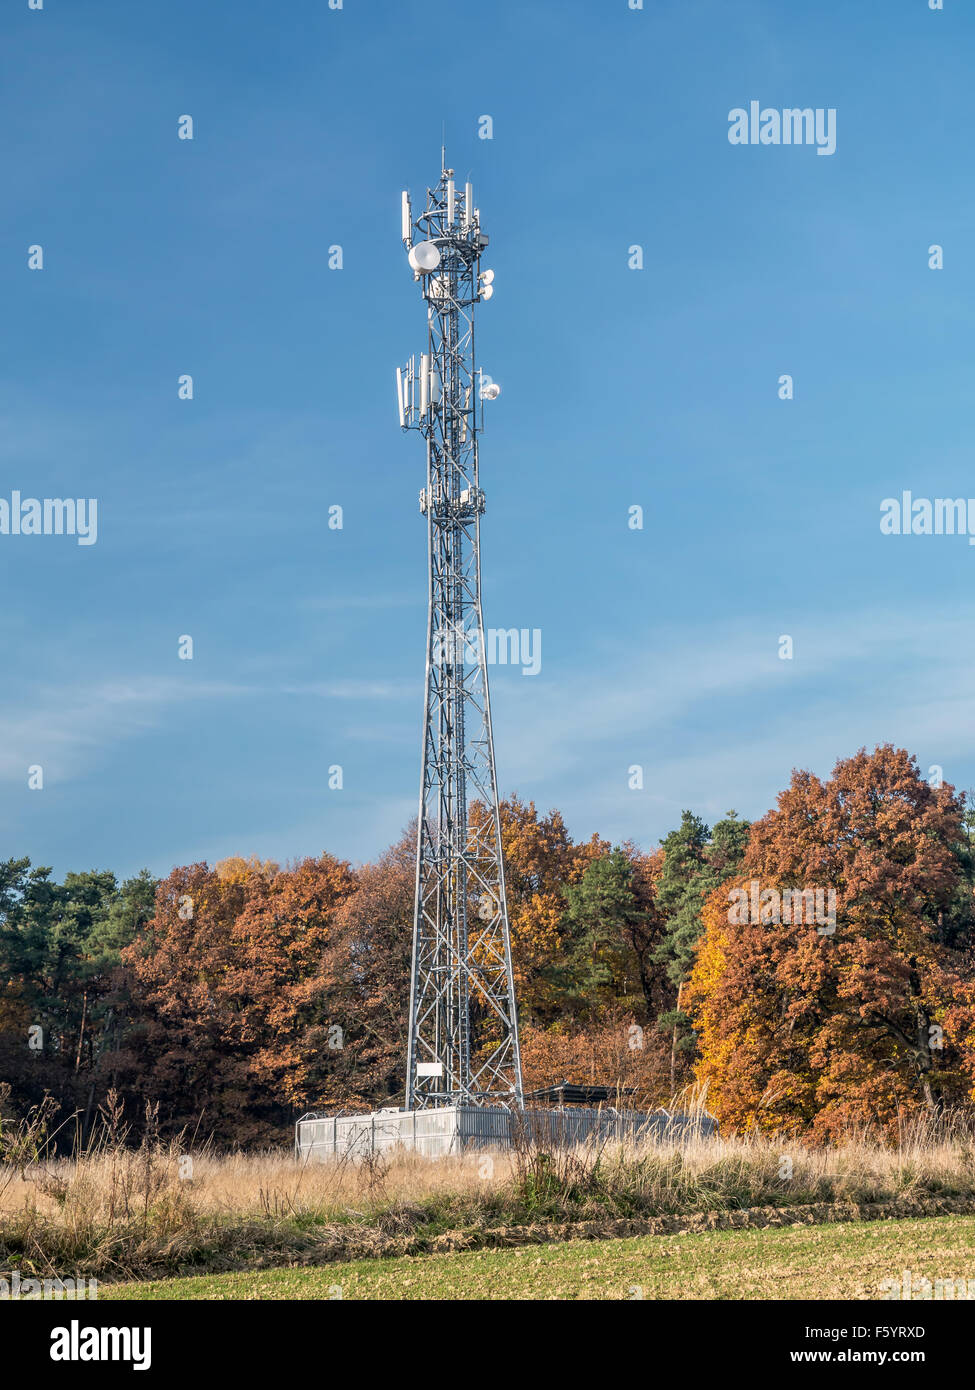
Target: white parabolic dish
{"type": "Point", "coordinates": [424, 257]}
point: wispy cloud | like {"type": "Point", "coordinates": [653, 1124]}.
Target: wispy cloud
{"type": "Point", "coordinates": [65, 729]}
{"type": "Point", "coordinates": [713, 717]}
{"type": "Point", "coordinates": [717, 720]}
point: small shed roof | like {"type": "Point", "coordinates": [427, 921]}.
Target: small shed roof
{"type": "Point", "coordinates": [567, 1093]}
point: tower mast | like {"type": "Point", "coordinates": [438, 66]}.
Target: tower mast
{"type": "Point", "coordinates": [463, 1031]}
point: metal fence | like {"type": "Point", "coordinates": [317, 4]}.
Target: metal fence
{"type": "Point", "coordinates": [457, 1129]}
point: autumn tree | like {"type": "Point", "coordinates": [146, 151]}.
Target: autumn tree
{"type": "Point", "coordinates": [807, 1024]}
{"type": "Point", "coordinates": [368, 964]}
{"type": "Point", "coordinates": [283, 989]}
{"type": "Point", "coordinates": [180, 1048]}
{"type": "Point", "coordinates": [615, 1051]}
{"type": "Point", "coordinates": [540, 858]}
{"type": "Point", "coordinates": [230, 995]}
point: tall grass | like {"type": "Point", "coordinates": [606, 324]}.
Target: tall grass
{"type": "Point", "coordinates": [119, 1209]}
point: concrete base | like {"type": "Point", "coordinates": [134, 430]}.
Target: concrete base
{"type": "Point", "coordinates": [459, 1129]}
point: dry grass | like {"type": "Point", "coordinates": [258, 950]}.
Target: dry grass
{"type": "Point", "coordinates": [260, 1185]}
{"type": "Point", "coordinates": [118, 1210]}
{"type": "Point", "coordinates": [108, 1185]}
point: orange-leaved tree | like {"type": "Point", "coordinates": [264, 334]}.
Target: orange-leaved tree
{"type": "Point", "coordinates": [832, 984]}
{"type": "Point", "coordinates": [369, 965]}
{"type": "Point", "coordinates": [540, 858]}
{"type": "Point", "coordinates": [228, 991]}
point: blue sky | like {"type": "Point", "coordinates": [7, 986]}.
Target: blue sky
{"type": "Point", "coordinates": [656, 387]}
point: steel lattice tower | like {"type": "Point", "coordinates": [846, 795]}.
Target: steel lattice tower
{"type": "Point", "coordinates": [463, 1034]}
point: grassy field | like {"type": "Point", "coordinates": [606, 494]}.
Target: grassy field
{"type": "Point", "coordinates": [832, 1261]}
{"type": "Point", "coordinates": [156, 1211]}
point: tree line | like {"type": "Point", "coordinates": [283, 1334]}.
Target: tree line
{"type": "Point", "coordinates": [238, 995]}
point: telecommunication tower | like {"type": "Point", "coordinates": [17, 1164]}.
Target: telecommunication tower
{"type": "Point", "coordinates": [463, 1033]}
